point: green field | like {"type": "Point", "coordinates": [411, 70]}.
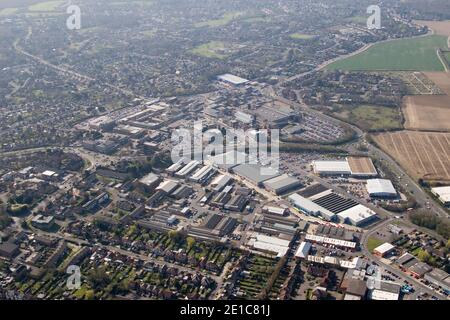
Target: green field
{"type": "Point", "coordinates": [226, 19]}
{"type": "Point", "coordinates": [301, 36]}
{"type": "Point", "coordinates": [8, 11]}
{"type": "Point", "coordinates": [418, 54]}
{"type": "Point", "coordinates": [372, 243]}
{"type": "Point", "coordinates": [371, 118]}
{"type": "Point", "coordinates": [211, 49]}
{"type": "Point", "coordinates": [47, 6]}
{"type": "Point", "coordinates": [357, 20]}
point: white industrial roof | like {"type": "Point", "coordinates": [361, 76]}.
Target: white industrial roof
{"type": "Point", "coordinates": [383, 295]}
{"type": "Point", "coordinates": [357, 214]}
{"type": "Point", "coordinates": [307, 205]}
{"type": "Point", "coordinates": [282, 182]}
{"type": "Point", "coordinates": [49, 173]}
{"type": "Point", "coordinates": [176, 166]}
{"type": "Point", "coordinates": [232, 79]}
{"type": "Point", "coordinates": [380, 186]}
{"type": "Point", "coordinates": [201, 173]}
{"type": "Point", "coordinates": [228, 159]}
{"type": "Point", "coordinates": [303, 250]}
{"type": "Point", "coordinates": [337, 242]}
{"type": "Point", "coordinates": [351, 297]}
{"type": "Point", "coordinates": [443, 193]}
{"type": "Point", "coordinates": [149, 179]}
{"type": "Point", "coordinates": [274, 240]}
{"type": "Point", "coordinates": [316, 259]}
{"type": "Point", "coordinates": [255, 172]}
{"type": "Point", "coordinates": [188, 168]}
{"type": "Point", "coordinates": [167, 186]}
{"type": "Point", "coordinates": [341, 167]}
{"type": "Point", "coordinates": [272, 244]}
{"type": "Point", "coordinates": [385, 247]}
{"type": "Point", "coordinates": [220, 179]}
{"type": "Point", "coordinates": [387, 291]}
{"type": "Point", "coordinates": [275, 210]}
{"type": "Point", "coordinates": [355, 263]}
{"type": "Point", "coordinates": [279, 250]}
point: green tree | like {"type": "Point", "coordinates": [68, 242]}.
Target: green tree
{"type": "Point", "coordinates": [190, 243]}
{"type": "Point", "coordinates": [98, 278]}
{"type": "Point", "coordinates": [89, 295]}
{"type": "Point", "coordinates": [132, 230]}
{"type": "Point", "coordinates": [175, 235]}
{"type": "Point", "coordinates": [423, 255]}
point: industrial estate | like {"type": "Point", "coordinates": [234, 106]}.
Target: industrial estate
{"type": "Point", "coordinates": [93, 205]}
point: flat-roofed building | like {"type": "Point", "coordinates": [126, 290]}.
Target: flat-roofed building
{"type": "Point", "coordinates": [270, 244]}
{"type": "Point", "coordinates": [274, 210]}
{"type": "Point", "coordinates": [354, 287]}
{"type": "Point", "coordinates": [43, 222]}
{"type": "Point", "coordinates": [273, 117]}
{"type": "Point", "coordinates": [406, 260]}
{"type": "Point", "coordinates": [383, 250]}
{"type": "Point", "coordinates": [443, 193]}
{"type": "Point", "coordinates": [255, 173]}
{"type": "Point", "coordinates": [282, 184]}
{"type": "Point", "coordinates": [330, 241]}
{"type": "Point", "coordinates": [419, 269]}
{"type": "Point", "coordinates": [227, 160]}
{"type": "Point", "coordinates": [232, 79]}
{"type": "Point", "coordinates": [385, 291]}
{"type": "Point", "coordinates": [381, 188]}
{"type": "Point", "coordinates": [244, 117]}
{"type": "Point", "coordinates": [328, 230]}
{"type": "Point", "coordinates": [357, 215]}
{"type": "Point", "coordinates": [9, 250]}
{"type": "Point", "coordinates": [439, 278]}
{"type": "Point", "coordinates": [149, 182]}
{"type": "Point", "coordinates": [331, 168]}
{"type": "Point", "coordinates": [133, 132]}
{"type": "Point", "coordinates": [308, 207]}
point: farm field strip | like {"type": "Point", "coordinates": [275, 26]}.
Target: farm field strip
{"type": "Point", "coordinates": [413, 54]}
{"type": "Point", "coordinates": [427, 113]}
{"type": "Point", "coordinates": [422, 154]}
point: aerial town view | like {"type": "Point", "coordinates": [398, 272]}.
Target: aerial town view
{"type": "Point", "coordinates": [225, 150]}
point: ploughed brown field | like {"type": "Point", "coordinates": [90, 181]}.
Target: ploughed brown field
{"type": "Point", "coordinates": [431, 112]}
{"type": "Point", "coordinates": [441, 79]}
{"type": "Point", "coordinates": [440, 27]}
{"type": "Point", "coordinates": [423, 155]}
{"type": "Point", "coordinates": [428, 112]}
